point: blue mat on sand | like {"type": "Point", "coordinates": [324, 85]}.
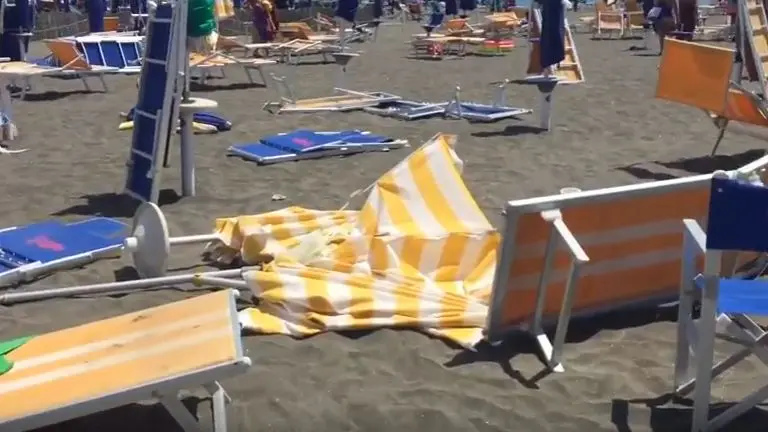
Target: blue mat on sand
{"type": "Point", "coordinates": [49, 241]}
{"type": "Point", "coordinates": [308, 144]}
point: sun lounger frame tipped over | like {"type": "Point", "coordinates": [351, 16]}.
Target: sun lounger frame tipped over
{"type": "Point", "coordinates": [344, 100]}
{"type": "Point", "coordinates": [630, 235]}
{"type": "Point", "coordinates": [181, 345]}
{"type": "Point", "coordinates": [456, 108]}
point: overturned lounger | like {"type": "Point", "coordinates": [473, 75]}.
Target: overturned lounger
{"type": "Point", "coordinates": [33, 250]}
{"type": "Point", "coordinates": [346, 100]}
{"type": "Point", "coordinates": [479, 112]}
{"type": "Point", "coordinates": [407, 110]}
{"type": "Point", "coordinates": [149, 354]}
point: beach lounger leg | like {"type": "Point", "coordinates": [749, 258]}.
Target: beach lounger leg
{"type": "Point", "coordinates": [263, 77]}
{"type": "Point", "coordinates": [694, 244]}
{"type": "Point", "coordinates": [87, 86]}
{"type": "Point", "coordinates": [721, 124]}
{"type": "Point", "coordinates": [103, 83]}
{"type": "Point", "coordinates": [180, 413]}
{"type": "Point", "coordinates": [219, 401]}
{"type": "Point", "coordinates": [248, 74]}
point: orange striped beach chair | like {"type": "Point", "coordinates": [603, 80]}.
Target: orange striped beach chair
{"type": "Point", "coordinates": [149, 354]}
{"type": "Point", "coordinates": [589, 252]}
{"type": "Point", "coordinates": [707, 85]}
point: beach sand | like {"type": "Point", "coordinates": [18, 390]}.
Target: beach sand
{"type": "Point", "coordinates": [607, 131]}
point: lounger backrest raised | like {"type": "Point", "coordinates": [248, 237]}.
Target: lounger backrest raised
{"type": "Point", "coordinates": [66, 52]}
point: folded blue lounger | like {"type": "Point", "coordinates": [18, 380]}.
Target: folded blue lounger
{"type": "Point", "coordinates": [35, 249]}
{"type": "Point", "coordinates": [307, 144]}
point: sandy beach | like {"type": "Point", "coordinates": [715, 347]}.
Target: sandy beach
{"type": "Point", "coordinates": [607, 131]}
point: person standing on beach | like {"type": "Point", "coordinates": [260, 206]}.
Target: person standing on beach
{"type": "Point", "coordinates": [689, 15]}
{"type": "Point", "coordinates": [201, 26]}
{"type": "Point", "coordinates": [265, 23]}
{"type": "Point", "coordinates": [664, 20]}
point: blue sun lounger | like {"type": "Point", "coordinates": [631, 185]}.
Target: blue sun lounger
{"type": "Point", "coordinates": [306, 144]}
{"type": "Point", "coordinates": [32, 250]}
{"type": "Point", "coordinates": [122, 53]}
{"type": "Point", "coordinates": [479, 112]}
{"type": "Point", "coordinates": [407, 110]}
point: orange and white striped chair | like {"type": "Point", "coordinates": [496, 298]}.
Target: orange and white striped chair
{"type": "Point", "coordinates": [583, 253]}
{"type": "Point", "coordinates": [153, 353]}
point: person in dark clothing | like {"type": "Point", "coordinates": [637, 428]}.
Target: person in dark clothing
{"type": "Point", "coordinates": [664, 19]}
{"type": "Point", "coordinates": [688, 15]}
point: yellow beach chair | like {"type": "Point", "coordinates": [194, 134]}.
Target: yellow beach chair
{"type": "Point", "coordinates": [607, 20]}
{"type": "Point", "coordinates": [204, 63]}
{"type": "Point", "coordinates": [229, 44]}
{"type": "Point", "coordinates": [150, 354]}
{"type": "Point", "coordinates": [300, 30]}
{"type": "Point", "coordinates": [699, 75]}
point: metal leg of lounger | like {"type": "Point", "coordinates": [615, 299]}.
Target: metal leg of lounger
{"type": "Point", "coordinates": [180, 413]}
{"type": "Point", "coordinates": [219, 401]}
{"type": "Point", "coordinates": [103, 83]}
{"type": "Point", "coordinates": [263, 77]}
{"type": "Point", "coordinates": [722, 124]}
{"type": "Point", "coordinates": [84, 79]}
{"type": "Point", "coordinates": [248, 74]}
{"type": "Point", "coordinates": [536, 327]}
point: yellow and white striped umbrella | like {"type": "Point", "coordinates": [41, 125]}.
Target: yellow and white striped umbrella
{"type": "Point", "coordinates": [420, 254]}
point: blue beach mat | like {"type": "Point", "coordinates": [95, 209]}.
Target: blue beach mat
{"type": "Point", "coordinates": [308, 144]}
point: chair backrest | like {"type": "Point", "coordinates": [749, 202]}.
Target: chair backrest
{"type": "Point", "coordinates": [746, 107]}
{"type": "Point", "coordinates": [632, 235]}
{"type": "Point", "coordinates": [695, 74]}
{"type": "Point", "coordinates": [224, 43]}
{"type": "Point", "coordinates": [70, 370]}
{"type": "Point", "coordinates": [297, 30]}
{"type": "Point", "coordinates": [737, 215]}
{"type": "Point", "coordinates": [67, 54]}
{"type": "Point", "coordinates": [111, 23]}
{"type": "Point", "coordinates": [456, 24]}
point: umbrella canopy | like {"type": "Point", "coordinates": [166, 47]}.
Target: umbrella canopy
{"type": "Point", "coordinates": [419, 254]}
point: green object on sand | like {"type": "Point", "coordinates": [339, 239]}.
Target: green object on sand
{"type": "Point", "coordinates": [201, 18]}
{"type": "Point", "coordinates": [8, 346]}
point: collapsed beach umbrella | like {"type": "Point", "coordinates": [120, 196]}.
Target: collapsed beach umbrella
{"type": "Point", "coordinates": [552, 38]}
{"type": "Point", "coordinates": [419, 254]}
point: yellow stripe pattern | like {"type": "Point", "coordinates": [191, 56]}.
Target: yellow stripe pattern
{"type": "Point", "coordinates": [419, 254]}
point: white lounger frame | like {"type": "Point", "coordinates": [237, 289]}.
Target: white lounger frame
{"type": "Point", "coordinates": [289, 103]}
{"type": "Point", "coordinates": [499, 101]}
{"type": "Point", "coordinates": [548, 207]}
{"type": "Point", "coordinates": [165, 391]}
